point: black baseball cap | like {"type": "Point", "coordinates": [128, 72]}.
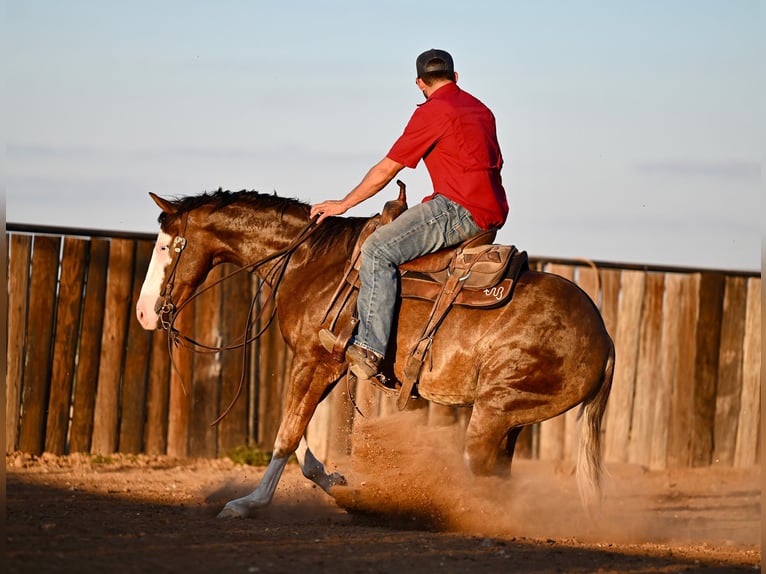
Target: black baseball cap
{"type": "Point", "coordinates": [434, 60]}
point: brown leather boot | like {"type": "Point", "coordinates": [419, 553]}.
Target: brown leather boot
{"type": "Point", "coordinates": [362, 362]}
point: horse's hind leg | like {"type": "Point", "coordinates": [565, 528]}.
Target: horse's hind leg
{"type": "Point", "coordinates": [483, 442]}
{"type": "Point", "coordinates": [505, 461]}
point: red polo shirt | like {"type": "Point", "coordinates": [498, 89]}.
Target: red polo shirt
{"type": "Point", "coordinates": [455, 135]}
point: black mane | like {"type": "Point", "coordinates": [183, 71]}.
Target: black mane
{"type": "Point", "coordinates": [221, 198]}
{"type": "Point", "coordinates": [329, 232]}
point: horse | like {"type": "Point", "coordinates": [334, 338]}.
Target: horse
{"type": "Point", "coordinates": [534, 358]}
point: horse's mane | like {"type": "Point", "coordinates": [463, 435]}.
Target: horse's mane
{"type": "Point", "coordinates": [221, 198]}
{"type": "Point", "coordinates": [325, 237]}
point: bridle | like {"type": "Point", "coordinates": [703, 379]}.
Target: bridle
{"type": "Point", "coordinates": [168, 311]}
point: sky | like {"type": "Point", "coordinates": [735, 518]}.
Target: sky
{"type": "Point", "coordinates": [632, 130]}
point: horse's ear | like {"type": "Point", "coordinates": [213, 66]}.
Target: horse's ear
{"type": "Point", "coordinates": [165, 205]}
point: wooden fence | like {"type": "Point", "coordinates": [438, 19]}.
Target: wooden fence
{"type": "Point", "coordinates": [83, 376]}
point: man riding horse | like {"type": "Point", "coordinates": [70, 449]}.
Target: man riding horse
{"type": "Point", "coordinates": [455, 135]}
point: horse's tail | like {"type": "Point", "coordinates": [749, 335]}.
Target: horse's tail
{"type": "Point", "coordinates": [589, 467]}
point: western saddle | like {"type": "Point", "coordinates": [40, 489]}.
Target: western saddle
{"type": "Point", "coordinates": [476, 273]}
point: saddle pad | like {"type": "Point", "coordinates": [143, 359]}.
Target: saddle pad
{"type": "Point", "coordinates": [425, 288]}
{"type": "Point", "coordinates": [428, 290]}
{"type": "Point", "coordinates": [484, 266]}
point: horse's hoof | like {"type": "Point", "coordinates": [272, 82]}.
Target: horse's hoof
{"type": "Point", "coordinates": [337, 479]}
{"type": "Point", "coordinates": [232, 511]}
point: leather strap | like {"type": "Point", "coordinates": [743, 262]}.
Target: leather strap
{"type": "Point", "coordinates": [341, 341]}
{"type": "Point", "coordinates": [415, 361]}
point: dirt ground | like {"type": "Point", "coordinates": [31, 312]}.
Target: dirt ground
{"type": "Point", "coordinates": [408, 507]}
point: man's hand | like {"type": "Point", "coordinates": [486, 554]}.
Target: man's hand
{"type": "Point", "coordinates": [375, 180]}
{"type": "Point", "coordinates": [328, 208]}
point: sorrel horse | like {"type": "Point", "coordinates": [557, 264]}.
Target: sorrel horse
{"type": "Point", "coordinates": [532, 359]}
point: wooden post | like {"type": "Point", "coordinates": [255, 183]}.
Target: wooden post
{"type": "Point", "coordinates": [205, 387]}
{"type": "Point", "coordinates": [134, 384]}
{"type": "Point", "coordinates": [729, 392]}
{"type": "Point", "coordinates": [18, 285]}
{"type": "Point", "coordinates": [65, 344]}
{"type": "Point", "coordinates": [158, 395]}
{"type": "Point", "coordinates": [180, 390]}
{"type": "Point", "coordinates": [89, 347]}
{"type": "Point", "coordinates": [745, 453]}
{"type": "Point", "coordinates": [708, 342]}
{"type": "Point", "coordinates": [647, 371]}
{"type": "Point", "coordinates": [233, 429]}
{"type": "Point", "coordinates": [588, 280]}
{"type": "Point", "coordinates": [610, 299]}
{"type": "Point", "coordinates": [620, 409]}
{"type": "Point", "coordinates": [118, 291]}
{"type": "Point", "coordinates": [682, 371]}
{"type": "Point", "coordinates": [37, 365]}
{"type": "Point", "coordinates": [271, 380]}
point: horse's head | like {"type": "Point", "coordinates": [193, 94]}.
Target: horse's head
{"type": "Point", "coordinates": [178, 265]}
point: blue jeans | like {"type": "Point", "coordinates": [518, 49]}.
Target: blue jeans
{"type": "Point", "coordinates": [422, 229]}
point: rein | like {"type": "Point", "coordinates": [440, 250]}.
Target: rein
{"type": "Point", "coordinates": [169, 312]}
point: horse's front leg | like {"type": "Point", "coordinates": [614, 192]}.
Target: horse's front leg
{"type": "Point", "coordinates": [303, 398]}
{"type": "Point", "coordinates": [261, 496]}
{"type": "Point", "coordinates": [314, 470]}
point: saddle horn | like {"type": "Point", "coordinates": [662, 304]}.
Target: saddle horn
{"type": "Point", "coordinates": [395, 207]}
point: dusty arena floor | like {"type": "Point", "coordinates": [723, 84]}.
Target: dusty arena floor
{"type": "Point", "coordinates": [406, 509]}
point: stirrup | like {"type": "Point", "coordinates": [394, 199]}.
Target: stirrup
{"type": "Point", "coordinates": [379, 382]}
{"type": "Point", "coordinates": [336, 346]}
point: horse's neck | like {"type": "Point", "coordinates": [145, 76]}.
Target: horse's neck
{"type": "Point", "coordinates": [252, 238]}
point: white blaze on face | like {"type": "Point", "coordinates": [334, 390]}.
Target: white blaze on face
{"type": "Point", "coordinates": [155, 275]}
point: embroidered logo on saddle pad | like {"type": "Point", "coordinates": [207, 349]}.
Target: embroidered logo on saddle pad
{"type": "Point", "coordinates": [489, 273]}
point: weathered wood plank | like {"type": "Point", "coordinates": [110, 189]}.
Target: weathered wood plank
{"type": "Point", "coordinates": [589, 281]}
{"type": "Point", "coordinates": [89, 352]}
{"type": "Point", "coordinates": [234, 429]}
{"type": "Point", "coordinates": [609, 305]}
{"type": "Point", "coordinates": [37, 366]}
{"type": "Point", "coordinates": [620, 409]}
{"type": "Point", "coordinates": [708, 343]}
{"type": "Point", "coordinates": [180, 390]}
{"type": "Point", "coordinates": [113, 342]}
{"type": "Point", "coordinates": [68, 308]}
{"type": "Point", "coordinates": [19, 257]}
{"type": "Point", "coordinates": [745, 453]}
{"type": "Point", "coordinates": [134, 384]}
{"type": "Point", "coordinates": [668, 360]}
{"type": "Point", "coordinates": [682, 403]}
{"type": "Point", "coordinates": [158, 395]}
{"type": "Point", "coordinates": [271, 377]}
{"type": "Point", "coordinates": [647, 370]}
{"type": "Point", "coordinates": [610, 299]}
{"type": "Point", "coordinates": [203, 438]}
{"type": "Point", "coordinates": [729, 389]}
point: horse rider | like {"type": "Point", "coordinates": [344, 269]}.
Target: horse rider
{"type": "Point", "coordinates": [455, 135]}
